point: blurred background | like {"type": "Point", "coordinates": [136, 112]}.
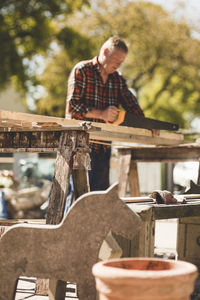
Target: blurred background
{"type": "Point", "coordinates": [42, 40]}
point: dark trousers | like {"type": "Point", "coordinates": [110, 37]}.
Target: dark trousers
{"type": "Point", "coordinates": [98, 175]}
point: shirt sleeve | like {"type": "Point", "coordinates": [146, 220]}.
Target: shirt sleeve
{"type": "Point", "coordinates": [128, 100]}
{"type": "Point", "coordinates": [76, 106]}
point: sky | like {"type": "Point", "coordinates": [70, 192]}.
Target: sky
{"type": "Point", "coordinates": [184, 10]}
{"type": "Point", "coordinates": [190, 7]}
{"type": "Point", "coordinates": [190, 4]}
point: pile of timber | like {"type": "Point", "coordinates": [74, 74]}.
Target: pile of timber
{"type": "Point", "coordinates": [23, 122]}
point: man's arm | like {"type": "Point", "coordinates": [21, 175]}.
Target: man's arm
{"type": "Point", "coordinates": [129, 101]}
{"type": "Point", "coordinates": [76, 106]}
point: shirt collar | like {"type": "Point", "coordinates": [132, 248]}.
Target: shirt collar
{"type": "Point", "coordinates": [96, 63]}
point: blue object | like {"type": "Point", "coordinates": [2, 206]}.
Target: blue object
{"type": "Point", "coordinates": [98, 175]}
{"type": "Point", "coordinates": [3, 209]}
{"type": "Point", "coordinates": [70, 195]}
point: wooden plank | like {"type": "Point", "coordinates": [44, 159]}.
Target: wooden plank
{"type": "Point", "coordinates": [134, 135]}
{"type": "Point", "coordinates": [10, 222]}
{"type": "Point", "coordinates": [191, 209]}
{"type": "Point", "coordinates": [163, 211]}
{"type": "Point", "coordinates": [181, 152]}
{"type": "Point", "coordinates": [107, 133]}
{"type": "Point", "coordinates": [6, 160]}
{"type": "Point", "coordinates": [140, 199]}
{"type": "Point", "coordinates": [36, 141]}
{"type": "Point", "coordinates": [57, 127]}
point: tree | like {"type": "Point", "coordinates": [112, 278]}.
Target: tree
{"type": "Point", "coordinates": [54, 78]}
{"type": "Point", "coordinates": [27, 29]}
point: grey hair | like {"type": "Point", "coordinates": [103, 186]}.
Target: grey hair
{"type": "Point", "coordinates": [114, 42]}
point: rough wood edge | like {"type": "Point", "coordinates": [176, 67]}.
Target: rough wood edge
{"type": "Point", "coordinates": [108, 132]}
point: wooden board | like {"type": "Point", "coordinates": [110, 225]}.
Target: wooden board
{"type": "Point", "coordinates": [107, 132]}
{"type": "Point", "coordinates": [163, 211]}
{"type": "Point", "coordinates": [23, 126]}
{"type": "Point", "coordinates": [174, 153]}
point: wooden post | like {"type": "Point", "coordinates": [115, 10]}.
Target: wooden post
{"type": "Point", "coordinates": [81, 182]}
{"type": "Point", "coordinates": [143, 243]}
{"type": "Point", "coordinates": [124, 167]}
{"type": "Point", "coordinates": [133, 179]}
{"type": "Point", "coordinates": [128, 174]}
{"type": "Point", "coordinates": [198, 178]}
{"type": "Point", "coordinates": [72, 153]}
{"type": "Point", "coordinates": [188, 239]}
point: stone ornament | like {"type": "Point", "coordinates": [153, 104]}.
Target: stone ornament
{"type": "Point", "coordinates": [67, 251]}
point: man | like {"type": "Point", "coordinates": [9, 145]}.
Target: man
{"type": "Point", "coordinates": [95, 91]}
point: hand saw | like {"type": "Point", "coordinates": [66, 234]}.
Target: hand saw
{"type": "Point", "coordinates": [129, 119]}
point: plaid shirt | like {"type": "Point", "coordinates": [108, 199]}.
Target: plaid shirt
{"type": "Point", "coordinates": [86, 91]}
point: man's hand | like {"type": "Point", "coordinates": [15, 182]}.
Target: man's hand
{"type": "Point", "coordinates": [109, 114]}
{"type": "Point", "coordinates": [155, 132]}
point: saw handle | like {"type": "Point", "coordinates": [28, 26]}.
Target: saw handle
{"type": "Point", "coordinates": [119, 119]}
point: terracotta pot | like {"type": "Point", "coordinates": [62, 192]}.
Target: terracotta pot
{"type": "Point", "coordinates": [144, 279]}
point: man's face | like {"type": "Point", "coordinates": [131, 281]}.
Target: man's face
{"type": "Point", "coordinates": [113, 60]}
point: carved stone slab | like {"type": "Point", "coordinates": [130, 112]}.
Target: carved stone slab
{"type": "Point", "coordinates": [66, 251]}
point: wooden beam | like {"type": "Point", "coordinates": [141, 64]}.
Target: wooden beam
{"type": "Point", "coordinates": [32, 141]}
{"type": "Point", "coordinates": [182, 152]}
{"type": "Point", "coordinates": [107, 133]}
{"type": "Point", "coordinates": [29, 141]}
{"type": "Point", "coordinates": [171, 211]}
{"type": "Point", "coordinates": [134, 135]}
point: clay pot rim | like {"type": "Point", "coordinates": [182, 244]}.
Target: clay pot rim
{"type": "Point", "coordinates": [179, 268]}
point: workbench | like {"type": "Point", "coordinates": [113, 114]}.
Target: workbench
{"type": "Point", "coordinates": [188, 243]}
{"type": "Point", "coordinates": [188, 215]}
{"type": "Point", "coordinates": [72, 147]}
{"type": "Point", "coordinates": [20, 132]}
{"type": "Point", "coordinates": [71, 142]}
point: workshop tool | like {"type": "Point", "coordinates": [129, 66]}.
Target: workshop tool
{"type": "Point", "coordinates": [129, 119]}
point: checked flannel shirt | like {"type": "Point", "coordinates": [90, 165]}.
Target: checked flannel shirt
{"type": "Point", "coordinates": [86, 91]}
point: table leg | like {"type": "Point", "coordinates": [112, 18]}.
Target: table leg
{"type": "Point", "coordinates": [128, 174]}
{"type": "Point", "coordinates": [133, 179]}
{"type": "Point", "coordinates": [72, 153]}
{"type": "Point", "coordinates": [143, 243]}
{"type": "Point", "coordinates": [188, 239]}
{"type": "Point", "coordinates": [124, 167]}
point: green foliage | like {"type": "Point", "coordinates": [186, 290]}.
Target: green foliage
{"type": "Point", "coordinates": [54, 79]}
{"type": "Point", "coordinates": [26, 29]}
{"type": "Point", "coordinates": [76, 45]}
